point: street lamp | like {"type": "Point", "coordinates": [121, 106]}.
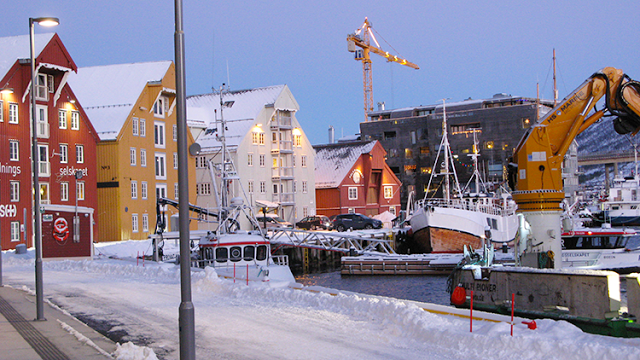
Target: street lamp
{"type": "Point", "coordinates": [44, 21]}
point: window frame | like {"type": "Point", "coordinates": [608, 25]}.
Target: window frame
{"type": "Point", "coordinates": [62, 119]}
{"type": "Point", "coordinates": [352, 192]}
{"type": "Point", "coordinates": [79, 153]}
{"type": "Point", "coordinates": [14, 150]}
{"type": "Point", "coordinates": [75, 120]}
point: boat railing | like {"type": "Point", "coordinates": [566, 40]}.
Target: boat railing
{"type": "Point", "coordinates": [484, 205]}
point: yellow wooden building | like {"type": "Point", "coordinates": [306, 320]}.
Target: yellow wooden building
{"type": "Point", "coordinates": [132, 107]}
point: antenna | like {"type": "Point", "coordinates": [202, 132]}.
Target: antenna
{"type": "Point", "coordinates": [228, 80]}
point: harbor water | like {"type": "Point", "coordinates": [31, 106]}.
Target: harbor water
{"type": "Point", "coordinates": [427, 288]}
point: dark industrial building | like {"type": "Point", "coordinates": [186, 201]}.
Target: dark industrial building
{"type": "Point", "coordinates": [412, 136]}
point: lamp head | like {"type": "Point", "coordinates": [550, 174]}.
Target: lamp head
{"type": "Point", "coordinates": [46, 21]}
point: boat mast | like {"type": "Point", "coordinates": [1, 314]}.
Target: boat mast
{"type": "Point", "coordinates": [445, 140]}
{"type": "Point", "coordinates": [224, 182]}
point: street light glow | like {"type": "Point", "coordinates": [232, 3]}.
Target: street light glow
{"type": "Point", "coordinates": [47, 21]}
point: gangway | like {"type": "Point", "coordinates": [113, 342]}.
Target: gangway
{"type": "Point", "coordinates": [332, 241]}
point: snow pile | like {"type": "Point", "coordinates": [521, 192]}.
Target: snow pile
{"type": "Point", "coordinates": [130, 351]}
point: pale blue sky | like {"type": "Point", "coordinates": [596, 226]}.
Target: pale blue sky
{"type": "Point", "coordinates": [464, 48]}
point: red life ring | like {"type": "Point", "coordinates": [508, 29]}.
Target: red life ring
{"type": "Point", "coordinates": [458, 296]}
{"type": "Point", "coordinates": [60, 230]}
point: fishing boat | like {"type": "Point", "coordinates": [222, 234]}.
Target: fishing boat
{"type": "Point", "coordinates": [603, 248]}
{"type": "Point", "coordinates": [621, 207]}
{"type": "Point", "coordinates": [243, 255]}
{"type": "Point", "coordinates": [447, 224]}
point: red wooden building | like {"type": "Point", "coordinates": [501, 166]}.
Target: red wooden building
{"type": "Point", "coordinates": [66, 138]}
{"type": "Point", "coordinates": [354, 178]}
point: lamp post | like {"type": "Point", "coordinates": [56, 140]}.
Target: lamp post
{"type": "Point", "coordinates": [44, 21]}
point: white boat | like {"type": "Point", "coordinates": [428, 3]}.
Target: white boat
{"type": "Point", "coordinates": [621, 207]}
{"type": "Point", "coordinates": [603, 248]}
{"type": "Point", "coordinates": [449, 223]}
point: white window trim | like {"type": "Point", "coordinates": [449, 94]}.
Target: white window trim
{"type": "Point", "coordinates": [64, 191]}
{"type": "Point", "coordinates": [354, 190]}
{"type": "Point", "coordinates": [144, 190]}
{"type": "Point", "coordinates": [15, 111]}
{"type": "Point", "coordinates": [80, 154]}
{"type": "Point", "coordinates": [132, 156]}
{"type": "Point", "coordinates": [75, 120]}
{"type": "Point", "coordinates": [12, 144]}
{"type": "Point", "coordinates": [134, 223]}
{"type": "Point", "coordinates": [64, 154]}
{"type": "Point", "coordinates": [62, 119]}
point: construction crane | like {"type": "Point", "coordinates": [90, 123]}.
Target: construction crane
{"type": "Point", "coordinates": [362, 38]}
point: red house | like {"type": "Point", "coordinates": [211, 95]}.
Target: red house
{"type": "Point", "coordinates": [66, 140]}
{"type": "Point", "coordinates": [354, 178]}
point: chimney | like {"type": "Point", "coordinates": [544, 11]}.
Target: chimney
{"type": "Point", "coordinates": [332, 134]}
{"type": "Point", "coordinates": [380, 106]}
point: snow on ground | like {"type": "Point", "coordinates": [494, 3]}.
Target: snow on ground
{"type": "Point", "coordinates": [234, 321]}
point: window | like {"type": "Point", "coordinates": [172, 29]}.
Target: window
{"type": "Point", "coordinates": [274, 137]}
{"type": "Point", "coordinates": [161, 191]}
{"type": "Point", "coordinates": [50, 84]}
{"type": "Point", "coordinates": [408, 153]}
{"type": "Point", "coordinates": [250, 186]}
{"type": "Point", "coordinates": [255, 138]}
{"type": "Point", "coordinates": [262, 161]}
{"type": "Point", "coordinates": [175, 160]}
{"type": "Point", "coordinates": [176, 191]}
{"type": "Point", "coordinates": [134, 189]}
{"type": "Point", "coordinates": [45, 165]}
{"type": "Point", "coordinates": [351, 211]}
{"type": "Point", "coordinates": [143, 157]}
{"type": "Point", "coordinates": [143, 127]}
{"type": "Point", "coordinates": [389, 135]}
{"type": "Point", "coordinates": [80, 154]}
{"type": "Point", "coordinates": [392, 210]}
{"type": "Point", "coordinates": [14, 191]}
{"type": "Point", "coordinates": [145, 222]}
{"type": "Point", "coordinates": [305, 211]}
{"type": "Point", "coordinates": [42, 91]}
{"type": "Point", "coordinates": [274, 162]}
{"type": "Point", "coordinates": [75, 120]}
{"type": "Point", "coordinates": [175, 132]}
{"type": "Point", "coordinates": [263, 187]}
{"type": "Point", "coordinates": [62, 119]}
{"type": "Point", "coordinates": [14, 150]}
{"type": "Point", "coordinates": [158, 133]}
{"type": "Point", "coordinates": [250, 159]}
{"type": "Point", "coordinates": [304, 187]}
{"type": "Point", "coordinates": [295, 186]}
{"type": "Point", "coordinates": [143, 190]}
{"type": "Point", "coordinates": [135, 126]}
{"type": "Point", "coordinates": [388, 192]}
{"type": "Point", "coordinates": [159, 107]}
{"type": "Point", "coordinates": [42, 121]}
{"type": "Point", "coordinates": [64, 153]}
{"type": "Point", "coordinates": [297, 140]}
{"type": "Point", "coordinates": [15, 231]}
{"type": "Point", "coordinates": [13, 113]}
{"type": "Point", "coordinates": [132, 156]}
{"type": "Point", "coordinates": [413, 137]}
{"type": "Point", "coordinates": [275, 188]}
{"type": "Point", "coordinates": [293, 160]}
{"type": "Point", "coordinates": [304, 161]}
{"type": "Point", "coordinates": [80, 190]}
{"type": "Point", "coordinates": [64, 191]}
{"type": "Point", "coordinates": [201, 162]}
{"type": "Point", "coordinates": [160, 166]}
{"type": "Point", "coordinates": [134, 223]}
{"type": "Point", "coordinates": [353, 193]}
{"type": "Point", "coordinates": [203, 189]}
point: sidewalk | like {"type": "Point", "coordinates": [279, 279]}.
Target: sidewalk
{"type": "Point", "coordinates": [21, 337]}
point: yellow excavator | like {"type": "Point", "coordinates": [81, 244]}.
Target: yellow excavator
{"type": "Point", "coordinates": [535, 170]}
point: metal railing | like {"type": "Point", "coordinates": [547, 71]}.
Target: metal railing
{"type": "Point", "coordinates": [484, 205]}
{"type": "Point", "coordinates": [376, 243]}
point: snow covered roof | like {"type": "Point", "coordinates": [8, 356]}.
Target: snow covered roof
{"type": "Point", "coordinates": [13, 48]}
{"type": "Point", "coordinates": [108, 93]}
{"type": "Point", "coordinates": [240, 114]}
{"type": "Point", "coordinates": [334, 161]}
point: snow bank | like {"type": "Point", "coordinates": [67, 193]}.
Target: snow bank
{"type": "Point", "coordinates": [129, 351]}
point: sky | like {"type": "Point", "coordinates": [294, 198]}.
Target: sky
{"type": "Point", "coordinates": [236, 321]}
{"type": "Point", "coordinates": [465, 49]}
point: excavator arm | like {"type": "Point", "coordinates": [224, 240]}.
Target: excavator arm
{"type": "Point", "coordinates": [535, 172]}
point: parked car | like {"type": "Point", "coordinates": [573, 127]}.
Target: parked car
{"type": "Point", "coordinates": [315, 222]}
{"type": "Point", "coordinates": [273, 222]}
{"type": "Point", "coordinates": [343, 222]}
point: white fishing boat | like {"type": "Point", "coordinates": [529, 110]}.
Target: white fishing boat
{"type": "Point", "coordinates": [243, 255]}
{"type": "Point", "coordinates": [621, 207]}
{"type": "Point", "coordinates": [603, 248]}
{"type": "Point", "coordinates": [447, 224]}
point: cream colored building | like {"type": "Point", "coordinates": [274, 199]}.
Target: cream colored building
{"type": "Point", "coordinates": [273, 158]}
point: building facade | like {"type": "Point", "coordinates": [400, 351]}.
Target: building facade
{"type": "Point", "coordinates": [354, 178]}
{"type": "Point", "coordinates": [412, 136]}
{"type": "Point", "coordinates": [273, 158]}
{"type": "Point", "coordinates": [66, 139]}
{"type": "Point", "coordinates": [132, 107]}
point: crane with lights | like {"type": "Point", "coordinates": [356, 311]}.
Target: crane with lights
{"type": "Point", "coordinates": [362, 39]}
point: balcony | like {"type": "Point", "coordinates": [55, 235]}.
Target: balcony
{"type": "Point", "coordinates": [43, 130]}
{"type": "Point", "coordinates": [282, 147]}
{"type": "Point", "coordinates": [285, 199]}
{"type": "Point", "coordinates": [281, 122]}
{"type": "Point", "coordinates": [282, 173]}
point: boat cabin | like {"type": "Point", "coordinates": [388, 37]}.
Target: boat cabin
{"type": "Point", "coordinates": [589, 240]}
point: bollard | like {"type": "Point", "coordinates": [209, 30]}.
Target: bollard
{"type": "Point", "coordinates": [247, 274]}
{"type": "Point", "coordinates": [137, 258]}
{"type": "Point", "coordinates": [234, 273]}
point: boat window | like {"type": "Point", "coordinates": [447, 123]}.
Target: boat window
{"type": "Point", "coordinates": [570, 242]}
{"type": "Point", "coordinates": [621, 242]}
{"type": "Point", "coordinates": [236, 253]}
{"type": "Point", "coordinates": [262, 253]}
{"type": "Point", "coordinates": [249, 252]}
{"type": "Point", "coordinates": [207, 253]}
{"type": "Point", "coordinates": [222, 254]}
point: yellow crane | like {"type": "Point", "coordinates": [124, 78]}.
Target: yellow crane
{"type": "Point", "coordinates": [362, 38]}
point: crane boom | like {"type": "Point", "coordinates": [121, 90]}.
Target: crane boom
{"type": "Point", "coordinates": [362, 39]}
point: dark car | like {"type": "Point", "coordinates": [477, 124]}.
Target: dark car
{"type": "Point", "coordinates": [314, 222]}
{"type": "Point", "coordinates": [343, 222]}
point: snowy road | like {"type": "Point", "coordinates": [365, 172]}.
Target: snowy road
{"type": "Point", "coordinates": [235, 321]}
